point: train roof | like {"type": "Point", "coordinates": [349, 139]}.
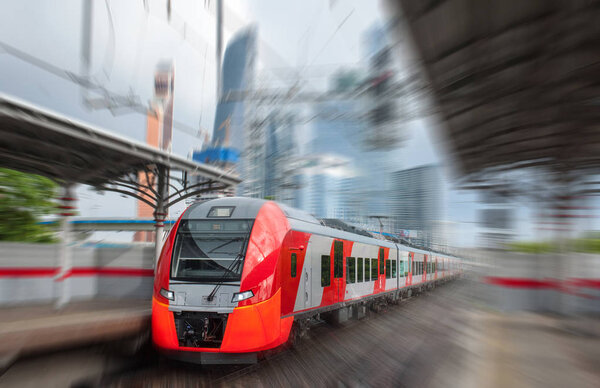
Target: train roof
{"type": "Point", "coordinates": [248, 208]}
{"type": "Point", "coordinates": [245, 208]}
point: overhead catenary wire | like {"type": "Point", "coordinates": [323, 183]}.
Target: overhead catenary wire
{"type": "Point", "coordinates": [340, 25]}
{"type": "Point", "coordinates": [114, 101]}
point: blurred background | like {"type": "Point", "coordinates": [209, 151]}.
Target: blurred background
{"type": "Point", "coordinates": [464, 127]}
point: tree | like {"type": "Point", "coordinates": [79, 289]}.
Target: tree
{"type": "Point", "coordinates": [24, 199]}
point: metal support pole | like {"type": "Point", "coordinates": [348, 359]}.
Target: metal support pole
{"type": "Point", "coordinates": [160, 212]}
{"type": "Point", "coordinates": [86, 46]}
{"type": "Point", "coordinates": [219, 45]}
{"type": "Point", "coordinates": [65, 259]}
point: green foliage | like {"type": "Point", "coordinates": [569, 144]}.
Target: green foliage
{"type": "Point", "coordinates": [24, 198]}
{"type": "Point", "coordinates": [587, 245]}
{"type": "Point", "coordinates": [583, 245]}
{"type": "Point", "coordinates": [532, 247]}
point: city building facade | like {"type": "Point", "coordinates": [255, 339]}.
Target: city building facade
{"type": "Point", "coordinates": [415, 201]}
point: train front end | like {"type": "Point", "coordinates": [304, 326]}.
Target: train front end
{"type": "Point", "coordinates": [217, 294]}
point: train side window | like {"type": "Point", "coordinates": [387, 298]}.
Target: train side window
{"type": "Point", "coordinates": [388, 269]}
{"type": "Point", "coordinates": [325, 271]}
{"type": "Point", "coordinates": [374, 269]}
{"type": "Point", "coordinates": [394, 268]}
{"type": "Point", "coordinates": [406, 268]}
{"type": "Point", "coordinates": [359, 270]}
{"type": "Point", "coordinates": [381, 258]}
{"type": "Point", "coordinates": [350, 269]}
{"type": "Point", "coordinates": [293, 263]}
{"type": "Point", "coordinates": [401, 268]}
{"type": "Point", "coordinates": [367, 269]}
{"type": "Point", "coordinates": [338, 259]}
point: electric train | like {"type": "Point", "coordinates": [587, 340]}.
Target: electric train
{"type": "Point", "coordinates": [240, 276]}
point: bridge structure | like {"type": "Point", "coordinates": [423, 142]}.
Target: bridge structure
{"type": "Point", "coordinates": [71, 152]}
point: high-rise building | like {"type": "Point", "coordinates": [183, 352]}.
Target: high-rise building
{"type": "Point", "coordinates": [360, 132]}
{"type": "Point", "coordinates": [416, 203]}
{"type": "Point", "coordinates": [336, 158]}
{"type": "Point", "coordinates": [279, 154]}
{"type": "Point", "coordinates": [229, 133]}
{"type": "Point", "coordinates": [384, 133]}
{"type": "Point", "coordinates": [358, 188]}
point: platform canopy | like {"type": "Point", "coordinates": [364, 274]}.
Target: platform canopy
{"type": "Point", "coordinates": [39, 141]}
{"type": "Point", "coordinates": [517, 82]}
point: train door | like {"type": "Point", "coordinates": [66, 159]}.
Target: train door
{"type": "Point", "coordinates": [411, 257]}
{"type": "Point", "coordinates": [398, 258]}
{"type": "Point", "coordinates": [306, 280]}
{"type": "Point", "coordinates": [403, 269]}
{"type": "Point", "coordinates": [338, 270]}
{"type": "Point", "coordinates": [425, 272]}
{"type": "Point", "coordinates": [381, 279]}
{"type": "Point", "coordinates": [307, 285]}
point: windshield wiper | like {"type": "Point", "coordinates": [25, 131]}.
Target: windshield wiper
{"type": "Point", "coordinates": [234, 264]}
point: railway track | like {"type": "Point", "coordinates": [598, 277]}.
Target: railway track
{"type": "Point", "coordinates": [385, 348]}
{"type": "Point", "coordinates": [392, 347]}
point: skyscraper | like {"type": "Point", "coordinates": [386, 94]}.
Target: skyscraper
{"type": "Point", "coordinates": [416, 202]}
{"type": "Point", "coordinates": [229, 133]}
{"type": "Point", "coordinates": [279, 154]}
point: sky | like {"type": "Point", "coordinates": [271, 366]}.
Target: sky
{"type": "Point", "coordinates": [129, 39]}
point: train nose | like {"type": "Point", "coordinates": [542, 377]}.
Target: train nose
{"type": "Point", "coordinates": [200, 315]}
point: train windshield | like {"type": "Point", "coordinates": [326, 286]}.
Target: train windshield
{"type": "Point", "coordinates": [210, 251]}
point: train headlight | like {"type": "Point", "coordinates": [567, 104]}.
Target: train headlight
{"type": "Point", "coordinates": [240, 296]}
{"type": "Point", "coordinates": [167, 294]}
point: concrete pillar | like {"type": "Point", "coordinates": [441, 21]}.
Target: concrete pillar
{"type": "Point", "coordinates": [160, 213]}
{"type": "Point", "coordinates": [67, 207]}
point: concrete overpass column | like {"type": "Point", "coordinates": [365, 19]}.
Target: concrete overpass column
{"type": "Point", "coordinates": [65, 259]}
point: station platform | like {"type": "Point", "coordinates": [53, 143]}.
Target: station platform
{"type": "Point", "coordinates": [26, 330]}
{"type": "Point", "coordinates": [499, 349]}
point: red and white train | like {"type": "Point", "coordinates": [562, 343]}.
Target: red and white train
{"type": "Point", "coordinates": [239, 276]}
